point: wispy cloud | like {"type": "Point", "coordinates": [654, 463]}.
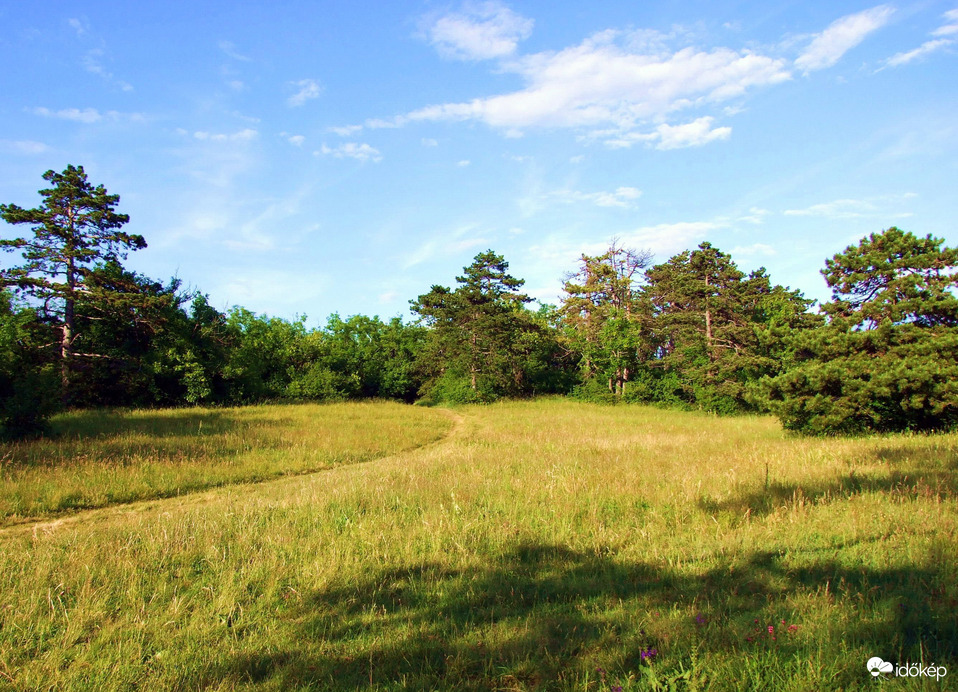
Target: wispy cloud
{"type": "Point", "coordinates": [447, 245]}
{"type": "Point", "coordinates": [622, 197]}
{"type": "Point", "coordinates": [308, 89]}
{"type": "Point", "coordinates": [612, 80]}
{"type": "Point", "coordinates": [84, 115]}
{"type": "Point", "coordinates": [246, 135]}
{"type": "Point", "coordinates": [346, 130]}
{"type": "Point", "coordinates": [265, 287]}
{"type": "Point", "coordinates": [756, 215]}
{"type": "Point", "coordinates": [753, 250]}
{"type": "Point", "coordinates": [352, 150]}
{"type": "Point", "coordinates": [692, 134]}
{"type": "Point", "coordinates": [80, 26]}
{"type": "Point", "coordinates": [666, 239]}
{"type": "Point", "coordinates": [93, 63]}
{"type": "Point", "coordinates": [856, 208]}
{"type": "Point", "coordinates": [480, 31]}
{"type": "Point", "coordinates": [921, 51]}
{"type": "Point", "coordinates": [950, 28]}
{"type": "Point", "coordinates": [841, 36]}
{"type": "Point", "coordinates": [28, 147]}
{"type": "Point", "coordinates": [229, 48]}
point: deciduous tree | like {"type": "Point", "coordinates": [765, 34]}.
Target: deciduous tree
{"type": "Point", "coordinates": [602, 316]}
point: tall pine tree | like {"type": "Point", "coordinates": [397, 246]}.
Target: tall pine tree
{"type": "Point", "coordinates": [75, 227]}
{"type": "Point", "coordinates": [477, 332]}
{"type": "Point", "coordinates": [888, 357]}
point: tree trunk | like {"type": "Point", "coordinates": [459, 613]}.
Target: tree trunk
{"type": "Point", "coordinates": [708, 321]}
{"type": "Point", "coordinates": [472, 364]}
{"type": "Point", "coordinates": [68, 332]}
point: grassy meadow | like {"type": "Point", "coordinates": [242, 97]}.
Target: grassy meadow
{"type": "Point", "coordinates": [102, 458]}
{"type": "Point", "coordinates": [526, 545]}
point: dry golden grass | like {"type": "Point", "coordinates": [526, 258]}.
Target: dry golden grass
{"type": "Point", "coordinates": [541, 545]}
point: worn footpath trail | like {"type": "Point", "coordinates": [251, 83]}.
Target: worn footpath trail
{"type": "Point", "coordinates": [234, 492]}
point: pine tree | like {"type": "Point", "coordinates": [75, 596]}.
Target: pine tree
{"type": "Point", "coordinates": [888, 357]}
{"type": "Point", "coordinates": [75, 227]}
{"type": "Point", "coordinates": [716, 329]}
{"type": "Point", "coordinates": [477, 331]}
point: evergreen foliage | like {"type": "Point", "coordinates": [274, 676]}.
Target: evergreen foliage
{"type": "Point", "coordinates": [77, 327]}
{"type": "Point", "coordinates": [482, 342]}
{"type": "Point", "coordinates": [888, 357]}
{"type": "Point", "coordinates": [75, 228]}
{"type": "Point", "coordinates": [715, 329]}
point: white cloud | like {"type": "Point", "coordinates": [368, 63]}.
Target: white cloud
{"type": "Point", "coordinates": [604, 83]}
{"type": "Point", "coordinates": [242, 136]}
{"type": "Point", "coordinates": [448, 245]}
{"type": "Point", "coordinates": [23, 146]}
{"type": "Point", "coordinates": [623, 197]}
{"type": "Point", "coordinates": [429, 142]}
{"type": "Point", "coordinates": [86, 115]}
{"type": "Point", "coordinates": [870, 207]}
{"type": "Point", "coordinates": [346, 130]}
{"type": "Point", "coordinates": [308, 89]}
{"type": "Point", "coordinates": [666, 239]}
{"type": "Point", "coordinates": [479, 32]}
{"type": "Point", "coordinates": [230, 49]}
{"type": "Point", "coordinates": [92, 64]}
{"type": "Point", "coordinates": [80, 26]}
{"type": "Point", "coordinates": [463, 163]}
{"type": "Point", "coordinates": [842, 35]}
{"type": "Point", "coordinates": [928, 47]}
{"type": "Point", "coordinates": [753, 250]}
{"type": "Point", "coordinates": [839, 209]}
{"type": "Point", "coordinates": [755, 215]}
{"type": "Point", "coordinates": [924, 49]}
{"type": "Point", "coordinates": [352, 150]}
{"type": "Point", "coordinates": [296, 140]}
{"type": "Point", "coordinates": [691, 134]}
{"type": "Point", "coordinates": [951, 16]}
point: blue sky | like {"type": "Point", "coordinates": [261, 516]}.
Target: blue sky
{"type": "Point", "coordinates": [310, 158]}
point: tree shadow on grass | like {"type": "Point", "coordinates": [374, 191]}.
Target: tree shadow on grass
{"type": "Point", "coordinates": [906, 471]}
{"type": "Point", "coordinates": [546, 617]}
{"type": "Point", "coordinates": [162, 436]}
{"type": "Point", "coordinates": [106, 424]}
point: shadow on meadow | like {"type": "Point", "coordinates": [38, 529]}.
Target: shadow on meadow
{"type": "Point", "coordinates": [161, 436]}
{"type": "Point", "coordinates": [106, 424]}
{"type": "Point", "coordinates": [906, 471]}
{"type": "Point", "coordinates": [544, 616]}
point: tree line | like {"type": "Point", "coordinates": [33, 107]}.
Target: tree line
{"type": "Point", "coordinates": [78, 329]}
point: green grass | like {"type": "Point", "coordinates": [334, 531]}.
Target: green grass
{"type": "Point", "coordinates": [542, 545]}
{"type": "Point", "coordinates": [102, 458]}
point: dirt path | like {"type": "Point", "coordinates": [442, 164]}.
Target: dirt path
{"type": "Point", "coordinates": [44, 527]}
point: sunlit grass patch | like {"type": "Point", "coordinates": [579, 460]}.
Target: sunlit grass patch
{"type": "Point", "coordinates": [544, 545]}
{"type": "Point", "coordinates": [99, 458]}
